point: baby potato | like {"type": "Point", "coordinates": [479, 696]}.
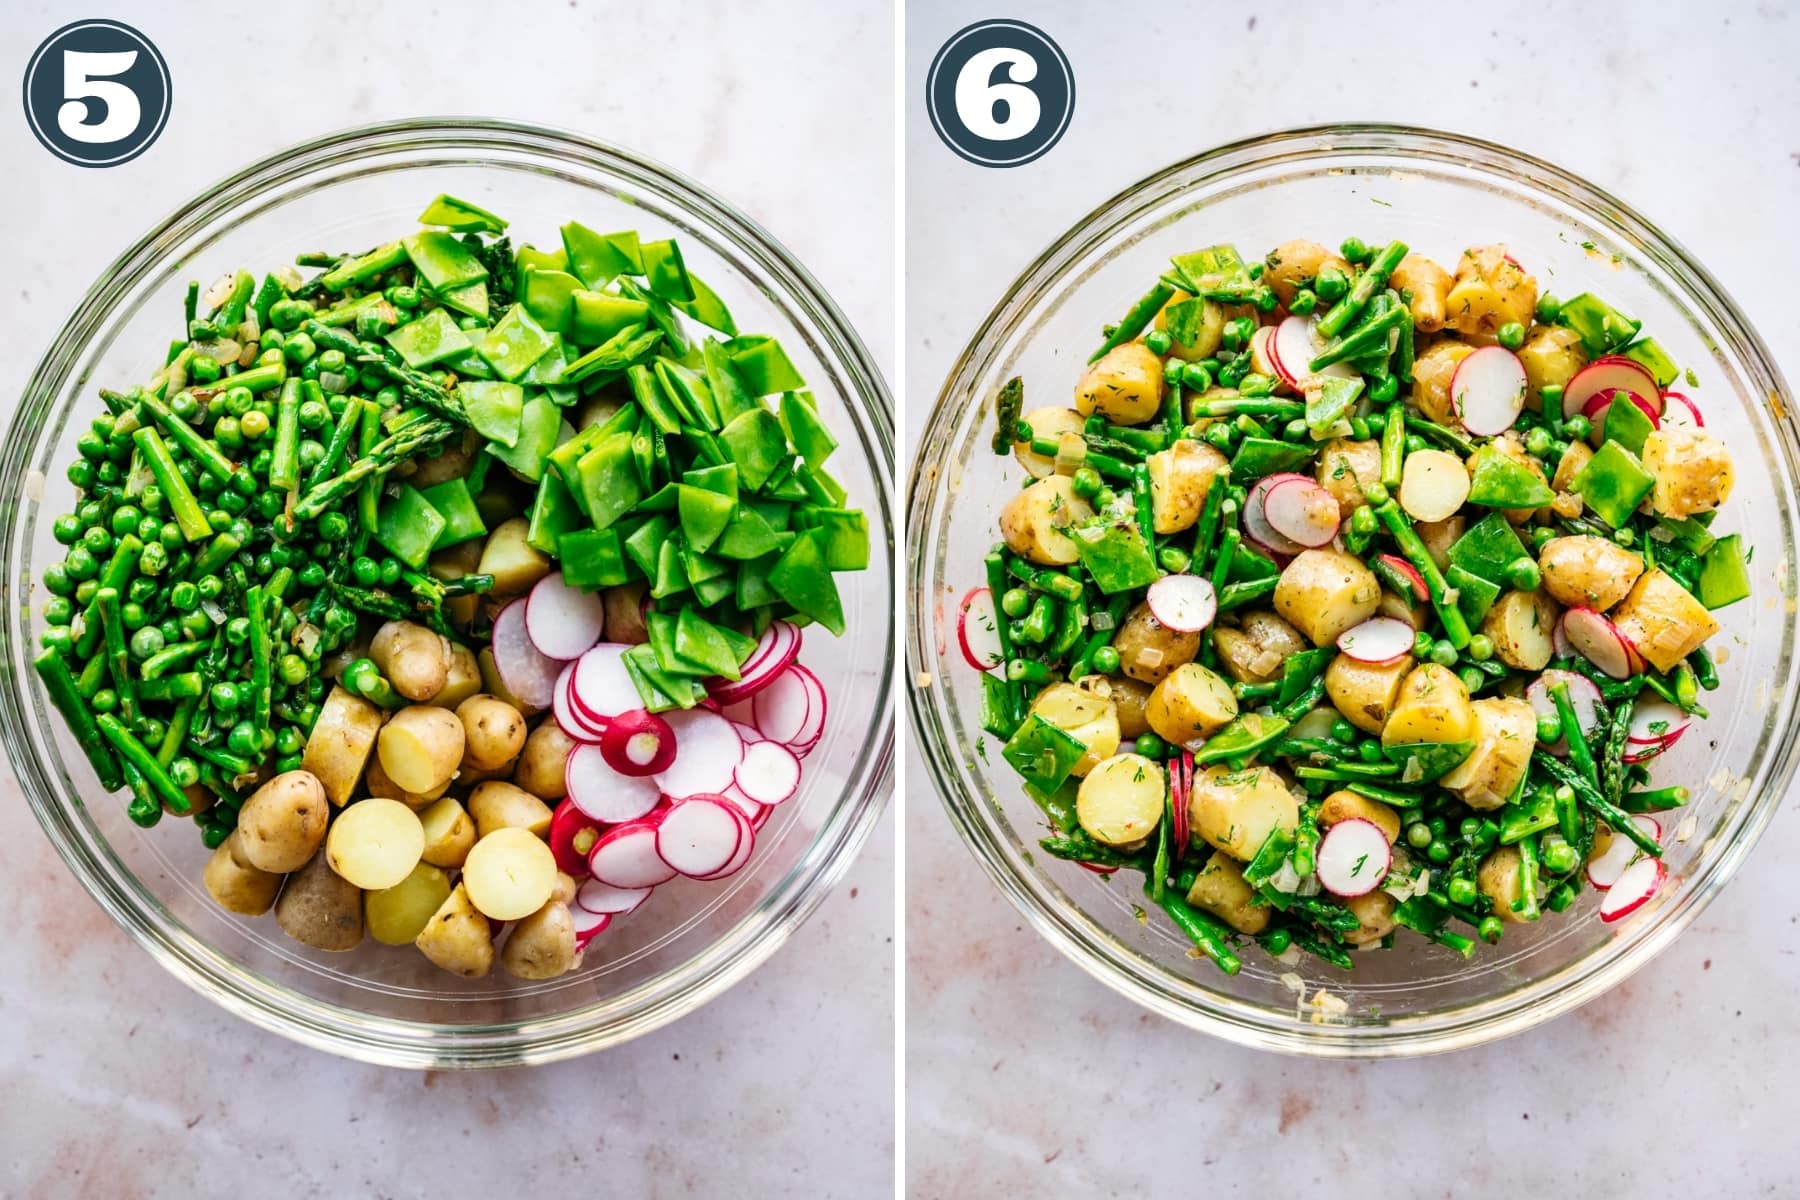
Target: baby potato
{"type": "Point", "coordinates": [1128, 697]}
{"type": "Point", "coordinates": [1034, 520]}
{"type": "Point", "coordinates": [1433, 706]}
{"type": "Point", "coordinates": [1430, 288]}
{"type": "Point", "coordinates": [1121, 800]}
{"type": "Point", "coordinates": [509, 874]}
{"type": "Point", "coordinates": [542, 946]}
{"type": "Point", "coordinates": [1179, 478]}
{"type": "Point", "coordinates": [1431, 379]}
{"type": "Point", "coordinates": [235, 886]}
{"type": "Point", "coordinates": [1404, 607]}
{"type": "Point", "coordinates": [449, 834]}
{"type": "Point", "coordinates": [1235, 811]}
{"type": "Point", "coordinates": [375, 843]}
{"type": "Point", "coordinates": [397, 915]}
{"type": "Point", "coordinates": [1692, 469]}
{"type": "Point", "coordinates": [624, 606]}
{"type": "Point", "coordinates": [1490, 290]}
{"type": "Point", "coordinates": [421, 747]}
{"type": "Point", "coordinates": [1663, 620]}
{"type": "Point", "coordinates": [541, 764]}
{"type": "Point", "coordinates": [1439, 536]}
{"type": "Point", "coordinates": [1324, 592]}
{"type": "Point", "coordinates": [1346, 467]}
{"type": "Point", "coordinates": [338, 747]}
{"type": "Point", "coordinates": [1190, 703]}
{"type": "Point", "coordinates": [1220, 888]}
{"type": "Point", "coordinates": [1296, 264]}
{"type": "Point", "coordinates": [1498, 879]}
{"type": "Point", "coordinates": [1125, 386]}
{"type": "Point", "coordinates": [463, 679]}
{"type": "Point", "coordinates": [1256, 651]}
{"type": "Point", "coordinates": [1365, 693]}
{"type": "Point", "coordinates": [1505, 730]}
{"type": "Point", "coordinates": [565, 889]}
{"type": "Point", "coordinates": [1586, 571]}
{"type": "Point", "coordinates": [458, 938]}
{"type": "Point", "coordinates": [1433, 485]}
{"type": "Point", "coordinates": [1551, 355]}
{"type": "Point", "coordinates": [416, 660]}
{"type": "Point", "coordinates": [320, 908]}
{"type": "Point", "coordinates": [1148, 649]}
{"type": "Point", "coordinates": [454, 562]}
{"type": "Point", "coordinates": [280, 827]}
{"type": "Point", "coordinates": [1049, 423]}
{"type": "Point", "coordinates": [377, 783]}
{"type": "Point", "coordinates": [1374, 917]}
{"type": "Point", "coordinates": [1207, 336]}
{"type": "Point", "coordinates": [1522, 626]}
{"type": "Point", "coordinates": [493, 732]}
{"type": "Point", "coordinates": [495, 805]}
{"type": "Point", "coordinates": [1345, 805]}
{"type": "Point", "coordinates": [513, 561]}
{"type": "Point", "coordinates": [1086, 716]}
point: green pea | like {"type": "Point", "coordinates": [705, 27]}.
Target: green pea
{"type": "Point", "coordinates": [298, 348]}
{"type": "Point", "coordinates": [1418, 835]}
{"type": "Point", "coordinates": [1438, 851]}
{"type": "Point", "coordinates": [1491, 929]}
{"type": "Point", "coordinates": [184, 771]}
{"type": "Point", "coordinates": [57, 581]}
{"type": "Point", "coordinates": [195, 626]}
{"type": "Point", "coordinates": [1256, 386]}
{"type": "Point", "coordinates": [1511, 335]}
{"type": "Point", "coordinates": [1523, 574]}
{"type": "Point", "coordinates": [1359, 428]}
{"type": "Point", "coordinates": [1106, 660]}
{"type": "Point", "coordinates": [244, 739]}
{"type": "Point", "coordinates": [151, 499]}
{"type": "Point", "coordinates": [315, 692]}
{"type": "Point", "coordinates": [367, 572]}
{"type": "Point", "coordinates": [1385, 389]}
{"type": "Point", "coordinates": [312, 575]}
{"type": "Point", "coordinates": [1174, 559]}
{"type": "Point", "coordinates": [313, 414]}
{"type": "Point", "coordinates": [224, 696]}
{"type": "Point", "coordinates": [81, 473]}
{"type": "Point", "coordinates": [1015, 602]}
{"type": "Point", "coordinates": [331, 360]}
{"type": "Point", "coordinates": [1342, 731]}
{"type": "Point", "coordinates": [1481, 647]}
{"type": "Point", "coordinates": [334, 526]}
{"type": "Point", "coordinates": [1422, 644]}
{"type": "Point", "coordinates": [1472, 679]}
{"type": "Point", "coordinates": [1195, 377]}
{"type": "Point", "coordinates": [1151, 746]}
{"type": "Point", "coordinates": [67, 529]}
{"type": "Point", "coordinates": [141, 590]}
{"type": "Point", "coordinates": [1539, 442]}
{"type": "Point", "coordinates": [145, 642]}
{"type": "Point", "coordinates": [84, 591]}
{"type": "Point", "coordinates": [1296, 429]}
{"type": "Point", "coordinates": [1304, 302]}
{"type": "Point", "coordinates": [59, 610]}
{"type": "Point", "coordinates": [1577, 427]}
{"type": "Point", "coordinates": [1086, 482]}
{"type": "Point", "coordinates": [390, 571]}
{"type": "Point", "coordinates": [1277, 941]}
{"type": "Point", "coordinates": [1415, 443]}
{"type": "Point", "coordinates": [237, 631]}
{"type": "Point", "coordinates": [292, 669]}
{"type": "Point", "coordinates": [79, 562]}
{"type": "Point", "coordinates": [312, 454]}
{"type": "Point", "coordinates": [228, 434]}
{"type": "Point", "coordinates": [1369, 751]}
{"type": "Point", "coordinates": [1461, 890]}
{"type": "Point", "coordinates": [1549, 308]}
{"type": "Point", "coordinates": [1355, 251]}
{"type": "Point", "coordinates": [1157, 341]}
{"type": "Point", "coordinates": [1439, 826]}
{"type": "Point", "coordinates": [254, 424]}
{"type": "Point", "coordinates": [59, 638]}
{"type": "Point", "coordinates": [1560, 857]}
{"type": "Point", "coordinates": [1331, 285]}
{"type": "Point", "coordinates": [1220, 436]}
{"type": "Point", "coordinates": [1624, 536]}
{"type": "Point", "coordinates": [403, 296]}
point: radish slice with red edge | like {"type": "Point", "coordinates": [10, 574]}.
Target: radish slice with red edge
{"type": "Point", "coordinates": [1262, 354]}
{"type": "Point", "coordinates": [563, 621]}
{"type": "Point", "coordinates": [528, 673]}
{"type": "Point", "coordinates": [601, 686]}
{"type": "Point", "coordinates": [1599, 641]}
{"type": "Point", "coordinates": [1595, 408]}
{"type": "Point", "coordinates": [1640, 881]}
{"type": "Point", "coordinates": [1296, 344]}
{"type": "Point", "coordinates": [1302, 512]}
{"type": "Point", "coordinates": [1178, 801]}
{"type": "Point", "coordinates": [1377, 640]}
{"type": "Point", "coordinates": [606, 899]}
{"type": "Point", "coordinates": [1255, 519]}
{"type": "Point", "coordinates": [1353, 858]}
{"type": "Point", "coordinates": [602, 793]}
{"type": "Point", "coordinates": [769, 773]}
{"type": "Point", "coordinates": [1487, 390]}
{"type": "Point", "coordinates": [1614, 373]}
{"type": "Point", "coordinates": [701, 835]}
{"type": "Point", "coordinates": [978, 632]}
{"type": "Point", "coordinates": [779, 646]}
{"type": "Point", "coordinates": [1584, 698]}
{"type": "Point", "coordinates": [574, 721]}
{"type": "Point", "coordinates": [781, 710]}
{"type": "Point", "coordinates": [1678, 410]}
{"type": "Point", "coordinates": [572, 837]}
{"type": "Point", "coordinates": [746, 844]}
{"type": "Point", "coordinates": [1410, 573]}
{"type": "Point", "coordinates": [626, 857]}
{"type": "Point", "coordinates": [588, 925]}
{"type": "Point", "coordinates": [808, 736]}
{"type": "Point", "coordinates": [744, 804]}
{"type": "Point", "coordinates": [638, 743]}
{"type": "Point", "coordinates": [707, 753]}
{"type": "Point", "coordinates": [1604, 870]}
{"type": "Point", "coordinates": [1655, 727]}
{"type": "Point", "coordinates": [1184, 603]}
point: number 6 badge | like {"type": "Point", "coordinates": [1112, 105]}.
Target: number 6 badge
{"type": "Point", "coordinates": [1000, 93]}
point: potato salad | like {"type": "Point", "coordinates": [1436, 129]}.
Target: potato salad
{"type": "Point", "coordinates": [1353, 594]}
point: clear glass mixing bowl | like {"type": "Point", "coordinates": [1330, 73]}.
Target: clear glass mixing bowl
{"type": "Point", "coordinates": [1439, 193]}
{"type": "Point", "coordinates": [352, 190]}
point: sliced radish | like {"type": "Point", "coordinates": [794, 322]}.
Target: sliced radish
{"type": "Point", "coordinates": [563, 621]}
{"type": "Point", "coordinates": [1487, 390]}
{"type": "Point", "coordinates": [1262, 357]}
{"type": "Point", "coordinates": [1599, 641]}
{"type": "Point", "coordinates": [779, 646]}
{"type": "Point", "coordinates": [1353, 858]}
{"type": "Point", "coordinates": [744, 804]}
{"type": "Point", "coordinates": [588, 925]}
{"type": "Point", "coordinates": [1302, 512]}
{"type": "Point", "coordinates": [1410, 573]}
{"type": "Point", "coordinates": [978, 630]}
{"type": "Point", "coordinates": [1604, 870]}
{"type": "Point", "coordinates": [768, 774]}
{"type": "Point", "coordinates": [810, 732]}
{"type": "Point", "coordinates": [743, 715]}
{"type": "Point", "coordinates": [1595, 409]}
{"type": "Point", "coordinates": [571, 716]}
{"type": "Point", "coordinates": [1584, 698]}
{"type": "Point", "coordinates": [1655, 727]}
{"type": "Point", "coordinates": [572, 837]}
{"type": "Point", "coordinates": [1184, 603]}
{"type": "Point", "coordinates": [1255, 520]}
{"type": "Point", "coordinates": [601, 686]}
{"type": "Point", "coordinates": [626, 857]}
{"type": "Point", "coordinates": [1678, 410]}
{"type": "Point", "coordinates": [700, 835]}
{"type": "Point", "coordinates": [1634, 889]}
{"type": "Point", "coordinates": [1377, 640]}
{"type": "Point", "coordinates": [528, 673]}
{"type": "Point", "coordinates": [746, 842]}
{"type": "Point", "coordinates": [707, 753]}
{"type": "Point", "coordinates": [1295, 345]}
{"type": "Point", "coordinates": [1183, 776]}
{"type": "Point", "coordinates": [604, 794]}
{"type": "Point", "coordinates": [782, 709]}
{"type": "Point", "coordinates": [607, 899]}
{"type": "Point", "coordinates": [1614, 373]}
{"type": "Point", "coordinates": [638, 743]}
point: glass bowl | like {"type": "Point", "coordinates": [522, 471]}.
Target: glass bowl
{"type": "Point", "coordinates": [352, 190]}
{"type": "Point", "coordinates": [1438, 192]}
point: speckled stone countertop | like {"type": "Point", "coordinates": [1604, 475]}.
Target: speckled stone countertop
{"type": "Point", "coordinates": [1024, 1076]}
{"type": "Point", "coordinates": [116, 1082]}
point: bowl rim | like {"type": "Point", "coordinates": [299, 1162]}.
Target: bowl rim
{"type": "Point", "coordinates": [1066, 927]}
{"type": "Point", "coordinates": [346, 1031]}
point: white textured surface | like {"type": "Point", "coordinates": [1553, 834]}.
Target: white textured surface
{"type": "Point", "coordinates": [1024, 1075]}
{"type": "Point", "coordinates": [117, 1082]}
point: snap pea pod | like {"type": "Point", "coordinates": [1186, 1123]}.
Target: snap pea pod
{"type": "Point", "coordinates": [59, 685]}
{"type": "Point", "coordinates": [1135, 320]}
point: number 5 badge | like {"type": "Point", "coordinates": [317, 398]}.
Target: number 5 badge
{"type": "Point", "coordinates": [97, 93]}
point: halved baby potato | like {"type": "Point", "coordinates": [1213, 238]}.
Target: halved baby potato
{"type": "Point", "coordinates": [1121, 800]}
{"type": "Point", "coordinates": [1191, 703]}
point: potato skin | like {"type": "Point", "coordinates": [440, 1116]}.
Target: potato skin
{"type": "Point", "coordinates": [1148, 649]}
{"type": "Point", "coordinates": [458, 938]}
{"type": "Point", "coordinates": [319, 908]}
{"type": "Point", "coordinates": [462, 680]}
{"type": "Point", "coordinates": [1345, 805]}
{"type": "Point", "coordinates": [1439, 536]}
{"type": "Point", "coordinates": [1087, 716]}
{"type": "Point", "coordinates": [1190, 703]}
{"type": "Point", "coordinates": [1324, 592]}
{"type": "Point", "coordinates": [624, 605]}
{"type": "Point", "coordinates": [496, 805]}
{"type": "Point", "coordinates": [1584, 571]}
{"type": "Point", "coordinates": [1346, 467]}
{"type": "Point", "coordinates": [1365, 693]}
{"type": "Point", "coordinates": [1121, 800]}
{"type": "Point", "coordinates": [514, 562]}
{"type": "Point", "coordinates": [493, 732]}
{"type": "Point", "coordinates": [1257, 649]}
{"type": "Point", "coordinates": [1125, 386]}
{"type": "Point", "coordinates": [1047, 422]}
{"type": "Point", "coordinates": [1235, 811]}
{"type": "Point", "coordinates": [421, 747]}
{"type": "Point", "coordinates": [280, 828]}
{"type": "Point", "coordinates": [542, 946]}
{"type": "Point", "coordinates": [1206, 337]}
{"type": "Point", "coordinates": [1663, 620]}
{"type": "Point", "coordinates": [1130, 698]}
{"type": "Point", "coordinates": [449, 834]}
{"type": "Point", "coordinates": [338, 747]}
{"type": "Point", "coordinates": [416, 660]}
{"type": "Point", "coordinates": [1034, 520]}
{"type": "Point", "coordinates": [542, 763]}
{"type": "Point", "coordinates": [235, 886]}
{"type": "Point", "coordinates": [1521, 626]}
{"type": "Point", "coordinates": [1430, 288]}
{"type": "Point", "coordinates": [1692, 469]}
{"type": "Point", "coordinates": [1221, 890]}
{"type": "Point", "coordinates": [1551, 355]}
{"type": "Point", "coordinates": [1505, 731]}
{"type": "Point", "coordinates": [1296, 264]}
{"type": "Point", "coordinates": [1490, 290]}
{"type": "Point", "coordinates": [1374, 917]}
{"type": "Point", "coordinates": [1498, 879]}
{"type": "Point", "coordinates": [1433, 706]}
{"type": "Point", "coordinates": [1179, 478]}
{"type": "Point", "coordinates": [1431, 379]}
